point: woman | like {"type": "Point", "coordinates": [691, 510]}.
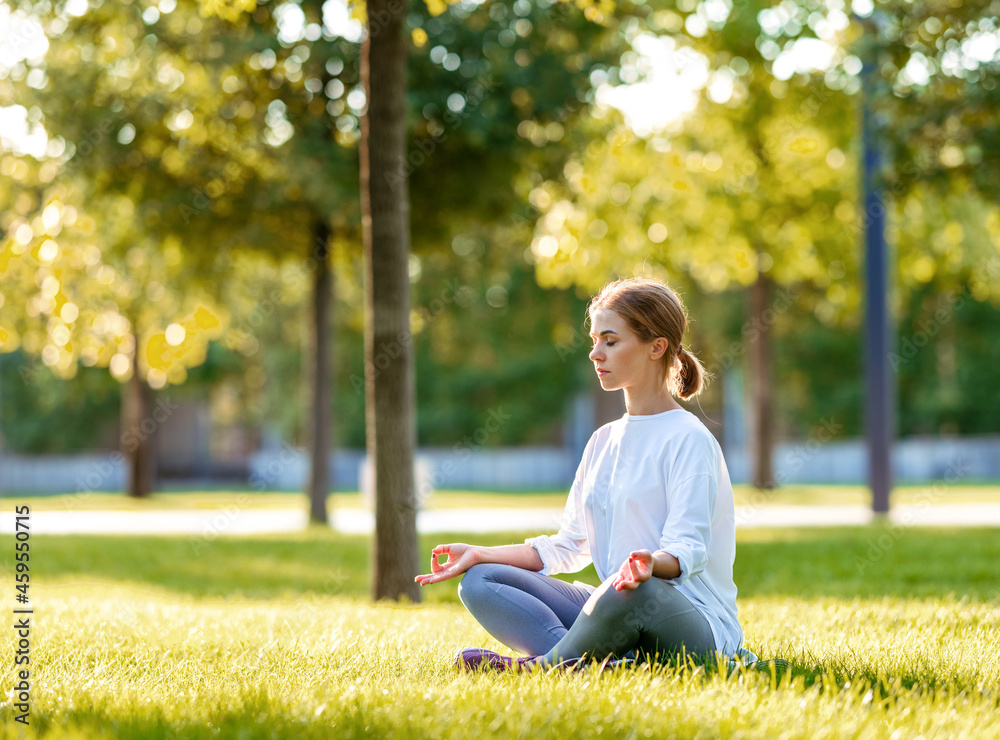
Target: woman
{"type": "Point", "coordinates": [651, 506]}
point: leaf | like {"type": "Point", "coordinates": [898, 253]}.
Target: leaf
{"type": "Point", "coordinates": [230, 10]}
{"type": "Point", "coordinates": [156, 348]}
{"type": "Point", "coordinates": [803, 145]}
{"type": "Point", "coordinates": [205, 319]}
{"type": "Point", "coordinates": [436, 7]}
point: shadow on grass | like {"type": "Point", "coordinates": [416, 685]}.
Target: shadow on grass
{"type": "Point", "coordinates": [315, 562]}
{"type": "Point", "coordinates": [862, 562]}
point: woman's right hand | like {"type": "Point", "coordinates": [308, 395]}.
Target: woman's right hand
{"type": "Point", "coordinates": [459, 557]}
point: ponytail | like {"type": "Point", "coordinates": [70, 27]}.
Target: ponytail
{"type": "Point", "coordinates": [652, 310]}
{"type": "Point", "coordinates": [690, 377]}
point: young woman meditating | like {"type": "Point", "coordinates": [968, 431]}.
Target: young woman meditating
{"type": "Point", "coordinates": [651, 506]}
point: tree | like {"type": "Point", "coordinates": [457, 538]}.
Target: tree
{"type": "Point", "coordinates": [71, 303]}
{"type": "Point", "coordinates": [385, 196]}
{"type": "Point", "coordinates": [938, 74]}
{"type": "Point", "coordinates": [389, 385]}
{"type": "Point", "coordinates": [133, 247]}
{"type": "Point", "coordinates": [197, 162]}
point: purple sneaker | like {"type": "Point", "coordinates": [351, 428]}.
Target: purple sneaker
{"type": "Point", "coordinates": [477, 659]}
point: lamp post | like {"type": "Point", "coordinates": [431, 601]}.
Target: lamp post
{"type": "Point", "coordinates": [880, 396]}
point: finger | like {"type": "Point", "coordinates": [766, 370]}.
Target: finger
{"type": "Point", "coordinates": [436, 565]}
{"type": "Point", "coordinates": [643, 556]}
{"type": "Point", "coordinates": [633, 567]}
{"type": "Point", "coordinates": [438, 578]}
{"type": "Point", "coordinates": [426, 579]}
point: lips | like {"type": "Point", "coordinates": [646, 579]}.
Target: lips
{"type": "Point", "coordinates": [602, 372]}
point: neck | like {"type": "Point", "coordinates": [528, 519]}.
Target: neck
{"type": "Point", "coordinates": [638, 403]}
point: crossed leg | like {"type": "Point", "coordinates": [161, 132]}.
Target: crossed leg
{"type": "Point", "coordinates": [544, 616]}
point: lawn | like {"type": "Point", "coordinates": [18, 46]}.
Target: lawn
{"type": "Point", "coordinates": [890, 634]}
{"type": "Point", "coordinates": [801, 495]}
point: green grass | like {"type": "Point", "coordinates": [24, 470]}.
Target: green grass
{"type": "Point", "coordinates": [801, 495]}
{"type": "Point", "coordinates": [891, 634]}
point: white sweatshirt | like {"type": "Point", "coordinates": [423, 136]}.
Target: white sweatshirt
{"type": "Point", "coordinates": [655, 482]}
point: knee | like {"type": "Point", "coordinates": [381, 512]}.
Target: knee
{"type": "Point", "coordinates": [628, 607]}
{"type": "Point", "coordinates": [613, 604]}
{"type": "Point", "coordinates": [474, 583]}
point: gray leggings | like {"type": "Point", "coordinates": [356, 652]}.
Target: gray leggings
{"type": "Point", "coordinates": [540, 615]}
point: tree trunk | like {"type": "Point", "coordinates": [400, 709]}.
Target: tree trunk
{"type": "Point", "coordinates": [1, 423]}
{"type": "Point", "coordinates": [759, 357]}
{"type": "Point", "coordinates": [319, 411]}
{"type": "Point", "coordinates": [139, 433]}
{"type": "Point", "coordinates": [389, 417]}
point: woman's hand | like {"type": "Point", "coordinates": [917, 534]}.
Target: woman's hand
{"type": "Point", "coordinates": [637, 569]}
{"type": "Point", "coordinates": [459, 557]}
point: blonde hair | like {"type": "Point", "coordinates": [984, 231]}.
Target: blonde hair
{"type": "Point", "coordinates": [651, 310]}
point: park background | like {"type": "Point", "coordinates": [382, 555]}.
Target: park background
{"type": "Point", "coordinates": [534, 191]}
{"type": "Point", "coordinates": [183, 315]}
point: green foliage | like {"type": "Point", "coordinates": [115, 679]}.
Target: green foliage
{"type": "Point", "coordinates": [495, 352]}
{"type": "Point", "coordinates": [192, 154]}
{"type": "Point", "coordinates": [43, 413]}
{"type": "Point", "coordinates": [471, 357]}
{"type": "Point", "coordinates": [937, 93]}
{"type": "Point", "coordinates": [483, 81]}
{"type": "Point", "coordinates": [946, 352]}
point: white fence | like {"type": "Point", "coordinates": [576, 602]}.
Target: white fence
{"type": "Point", "coordinates": [62, 473]}
{"type": "Point", "coordinates": [914, 460]}
{"type": "Point", "coordinates": [503, 469]}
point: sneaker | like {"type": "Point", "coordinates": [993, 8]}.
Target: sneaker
{"type": "Point", "coordinates": [568, 666]}
{"type": "Point", "coordinates": [476, 659]}
{"type": "Point", "coordinates": [610, 664]}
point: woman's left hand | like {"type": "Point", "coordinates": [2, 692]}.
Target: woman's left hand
{"type": "Point", "coordinates": [637, 569]}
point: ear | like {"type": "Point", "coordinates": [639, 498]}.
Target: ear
{"type": "Point", "coordinates": [659, 348]}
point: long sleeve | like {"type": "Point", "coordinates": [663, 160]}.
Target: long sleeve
{"type": "Point", "coordinates": [687, 531]}
{"type": "Point", "coordinates": [568, 550]}
{"type": "Point", "coordinates": [656, 482]}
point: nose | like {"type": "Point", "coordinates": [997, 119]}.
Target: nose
{"type": "Point", "coordinates": [596, 354]}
